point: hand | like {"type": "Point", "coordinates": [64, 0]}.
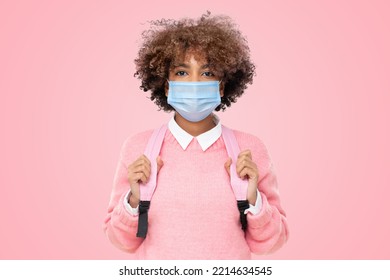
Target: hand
{"type": "Point", "coordinates": [246, 168]}
{"type": "Point", "coordinates": [139, 171]}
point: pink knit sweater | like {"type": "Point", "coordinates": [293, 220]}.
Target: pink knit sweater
{"type": "Point", "coordinates": [193, 212]}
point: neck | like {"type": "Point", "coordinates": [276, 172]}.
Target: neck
{"type": "Point", "coordinates": [195, 128]}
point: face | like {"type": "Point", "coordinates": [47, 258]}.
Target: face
{"type": "Point", "coordinates": [193, 68]}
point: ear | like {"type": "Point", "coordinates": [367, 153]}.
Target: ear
{"type": "Point", "coordinates": [166, 88]}
{"type": "Point", "coordinates": [221, 88]}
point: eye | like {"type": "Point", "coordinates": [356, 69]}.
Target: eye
{"type": "Point", "coordinates": [208, 74]}
{"type": "Point", "coordinates": [181, 73]}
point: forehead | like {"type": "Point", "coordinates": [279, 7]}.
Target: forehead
{"type": "Point", "coordinates": [190, 57]}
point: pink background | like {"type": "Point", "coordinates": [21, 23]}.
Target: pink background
{"type": "Point", "coordinates": [320, 102]}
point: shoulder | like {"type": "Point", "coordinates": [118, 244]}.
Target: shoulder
{"type": "Point", "coordinates": [134, 145]}
{"type": "Point", "coordinates": [138, 138]}
{"type": "Point", "coordinates": [256, 145]}
{"type": "Point", "coordinates": [249, 141]}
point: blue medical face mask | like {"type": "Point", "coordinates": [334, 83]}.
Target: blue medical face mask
{"type": "Point", "coordinates": [194, 101]}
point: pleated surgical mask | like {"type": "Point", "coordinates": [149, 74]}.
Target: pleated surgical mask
{"type": "Point", "coordinates": [194, 101]}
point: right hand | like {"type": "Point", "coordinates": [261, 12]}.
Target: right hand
{"type": "Point", "coordinates": [139, 171]}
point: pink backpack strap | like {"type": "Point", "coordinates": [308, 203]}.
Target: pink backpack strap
{"type": "Point", "coordinates": [152, 151]}
{"type": "Point", "coordinates": [239, 186]}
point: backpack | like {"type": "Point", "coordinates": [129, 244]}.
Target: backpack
{"type": "Point", "coordinates": [152, 150]}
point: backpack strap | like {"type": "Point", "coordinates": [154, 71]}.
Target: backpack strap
{"type": "Point", "coordinates": [152, 151]}
{"type": "Point", "coordinates": [239, 186]}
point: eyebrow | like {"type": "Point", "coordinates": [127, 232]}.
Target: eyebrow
{"type": "Point", "coordinates": [187, 66]}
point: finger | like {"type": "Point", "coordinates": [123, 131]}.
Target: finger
{"type": "Point", "coordinates": [134, 179]}
{"type": "Point", "coordinates": [141, 177]}
{"type": "Point", "coordinates": [160, 163]}
{"type": "Point", "coordinates": [247, 172]}
{"type": "Point", "coordinates": [142, 169]}
{"type": "Point", "coordinates": [141, 163]}
{"type": "Point", "coordinates": [145, 158]}
{"type": "Point", "coordinates": [141, 160]}
{"type": "Point", "coordinates": [242, 173]}
{"type": "Point", "coordinates": [245, 153]}
{"type": "Point", "coordinates": [227, 165]}
{"type": "Point", "coordinates": [245, 162]}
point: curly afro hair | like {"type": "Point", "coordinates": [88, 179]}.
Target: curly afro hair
{"type": "Point", "coordinates": [215, 37]}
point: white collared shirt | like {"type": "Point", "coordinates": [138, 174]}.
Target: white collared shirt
{"type": "Point", "coordinates": [205, 140]}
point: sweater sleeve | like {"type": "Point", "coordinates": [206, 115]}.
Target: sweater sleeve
{"type": "Point", "coordinates": [267, 231]}
{"type": "Point", "coordinates": [119, 225]}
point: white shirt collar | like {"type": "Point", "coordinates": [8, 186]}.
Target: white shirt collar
{"type": "Point", "coordinates": [205, 139]}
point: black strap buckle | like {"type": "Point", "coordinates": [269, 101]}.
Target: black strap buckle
{"type": "Point", "coordinates": [143, 218]}
{"type": "Point", "coordinates": [242, 206]}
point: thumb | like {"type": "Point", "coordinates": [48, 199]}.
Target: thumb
{"type": "Point", "coordinates": [227, 165]}
{"type": "Point", "coordinates": [160, 163]}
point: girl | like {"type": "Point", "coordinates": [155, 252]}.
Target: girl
{"type": "Point", "coordinates": [193, 67]}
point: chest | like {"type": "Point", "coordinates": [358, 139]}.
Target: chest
{"type": "Point", "coordinates": [194, 180]}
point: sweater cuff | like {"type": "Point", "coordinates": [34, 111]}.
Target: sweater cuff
{"type": "Point", "coordinates": [262, 218]}
{"type": "Point", "coordinates": [255, 209]}
{"type": "Point", "coordinates": [123, 214]}
{"type": "Point", "coordinates": [126, 204]}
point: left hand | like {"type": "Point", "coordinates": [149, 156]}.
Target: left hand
{"type": "Point", "coordinates": [246, 168]}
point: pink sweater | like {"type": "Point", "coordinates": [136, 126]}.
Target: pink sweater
{"type": "Point", "coordinates": [193, 212]}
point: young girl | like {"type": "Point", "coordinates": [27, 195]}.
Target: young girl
{"type": "Point", "coordinates": [193, 67]}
